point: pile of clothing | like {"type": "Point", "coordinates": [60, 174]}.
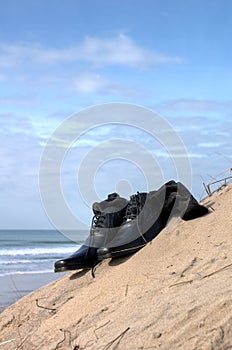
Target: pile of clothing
{"type": "Point", "coordinates": [121, 227]}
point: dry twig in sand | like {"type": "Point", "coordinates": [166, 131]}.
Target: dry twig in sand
{"type": "Point", "coordinates": [209, 275]}
{"type": "Point", "coordinates": [101, 327]}
{"type": "Point", "coordinates": [69, 340]}
{"type": "Point", "coordinates": [119, 337]}
{"type": "Point", "coordinates": [212, 273]}
{"type": "Point", "coordinates": [22, 342]}
{"type": "Point", "coordinates": [180, 283]}
{"type": "Point", "coordinates": [7, 341]}
{"type": "Point", "coordinates": [44, 307]}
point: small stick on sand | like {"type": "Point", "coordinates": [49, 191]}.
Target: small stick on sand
{"type": "Point", "coordinates": [179, 283]}
{"type": "Point", "coordinates": [7, 341]}
{"type": "Point", "coordinates": [69, 341]}
{"type": "Point", "coordinates": [209, 275]}
{"type": "Point", "coordinates": [100, 327]}
{"type": "Point", "coordinates": [22, 342]}
{"type": "Point", "coordinates": [127, 286]}
{"type": "Point", "coordinates": [43, 307]}
{"type": "Point", "coordinates": [119, 337]}
{"type": "Point", "coordinates": [212, 273]}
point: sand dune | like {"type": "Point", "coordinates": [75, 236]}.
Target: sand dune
{"type": "Point", "coordinates": [176, 293]}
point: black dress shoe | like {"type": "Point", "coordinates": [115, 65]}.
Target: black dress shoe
{"type": "Point", "coordinates": [140, 225]}
{"type": "Point", "coordinates": [147, 215]}
{"type": "Point", "coordinates": [84, 258]}
{"type": "Point", "coordinates": [108, 216]}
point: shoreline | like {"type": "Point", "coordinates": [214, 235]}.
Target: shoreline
{"type": "Point", "coordinates": [15, 286]}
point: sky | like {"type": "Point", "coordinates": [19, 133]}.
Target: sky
{"type": "Point", "coordinates": [58, 58]}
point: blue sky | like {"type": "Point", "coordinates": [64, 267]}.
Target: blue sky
{"type": "Point", "coordinates": [58, 57]}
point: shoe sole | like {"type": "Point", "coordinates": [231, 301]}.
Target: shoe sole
{"type": "Point", "coordinates": [118, 253]}
{"type": "Point", "coordinates": [71, 268]}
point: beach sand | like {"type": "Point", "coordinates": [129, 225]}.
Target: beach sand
{"type": "Point", "coordinates": [176, 293]}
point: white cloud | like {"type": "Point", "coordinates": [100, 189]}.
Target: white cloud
{"type": "Point", "coordinates": [79, 68]}
{"type": "Point", "coordinates": [95, 83]}
{"type": "Point", "coordinates": [196, 105]}
{"type": "Point", "coordinates": [90, 83]}
{"type": "Point", "coordinates": [210, 144]}
{"type": "Point", "coordinates": [120, 50]}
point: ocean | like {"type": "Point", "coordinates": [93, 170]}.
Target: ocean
{"type": "Point", "coordinates": [26, 253]}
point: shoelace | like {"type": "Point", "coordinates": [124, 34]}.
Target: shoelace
{"type": "Point", "coordinates": [134, 207]}
{"type": "Point", "coordinates": [98, 221]}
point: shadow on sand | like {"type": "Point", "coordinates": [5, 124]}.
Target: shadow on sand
{"type": "Point", "coordinates": [78, 274]}
{"type": "Point", "coordinates": [112, 262]}
{"type": "Point", "coordinates": [119, 260]}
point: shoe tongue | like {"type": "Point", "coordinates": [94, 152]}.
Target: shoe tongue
{"type": "Point", "coordinates": [139, 197]}
{"type": "Point", "coordinates": [101, 207]}
{"type": "Point", "coordinates": [112, 196]}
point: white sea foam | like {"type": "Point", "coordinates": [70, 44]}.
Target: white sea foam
{"type": "Point", "coordinates": [25, 273]}
{"type": "Point", "coordinates": [28, 261]}
{"type": "Point", "coordinates": [39, 251]}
